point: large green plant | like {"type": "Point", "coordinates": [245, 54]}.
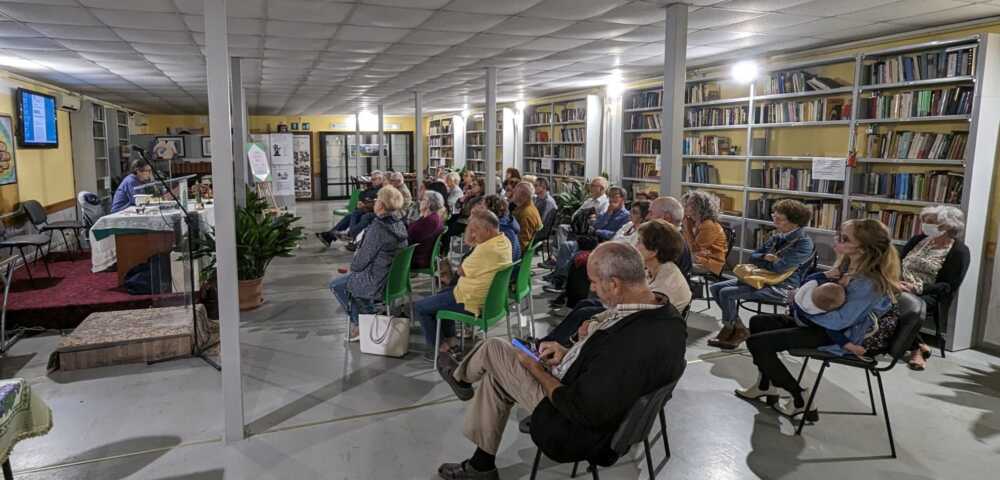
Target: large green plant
{"type": "Point", "coordinates": [260, 238]}
{"type": "Point", "coordinates": [570, 199]}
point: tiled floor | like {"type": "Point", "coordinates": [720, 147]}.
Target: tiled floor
{"type": "Point", "coordinates": [318, 410]}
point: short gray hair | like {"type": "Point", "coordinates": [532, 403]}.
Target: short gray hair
{"type": "Point", "coordinates": [435, 202]}
{"type": "Point", "coordinates": [603, 181]}
{"type": "Point", "coordinates": [486, 217]}
{"type": "Point", "coordinates": [704, 203]}
{"type": "Point", "coordinates": [667, 206]}
{"type": "Point", "coordinates": [395, 176]}
{"type": "Point", "coordinates": [950, 218]}
{"type": "Point", "coordinates": [454, 177]}
{"type": "Point", "coordinates": [618, 260]}
{"type": "Point", "coordinates": [376, 173]}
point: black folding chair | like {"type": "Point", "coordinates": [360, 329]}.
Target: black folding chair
{"type": "Point", "coordinates": [805, 269]}
{"type": "Point", "coordinates": [545, 233]}
{"type": "Point", "coordinates": [40, 219]}
{"type": "Point", "coordinates": [703, 281]}
{"type": "Point", "coordinates": [634, 428]}
{"type": "Point", "coordinates": [22, 241]}
{"type": "Point", "coordinates": [911, 313]}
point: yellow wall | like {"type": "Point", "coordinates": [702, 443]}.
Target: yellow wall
{"type": "Point", "coordinates": [45, 175]}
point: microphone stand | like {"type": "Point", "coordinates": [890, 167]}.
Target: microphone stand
{"type": "Point", "coordinates": [198, 350]}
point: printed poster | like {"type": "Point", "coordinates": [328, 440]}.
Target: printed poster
{"type": "Point", "coordinates": [8, 165]}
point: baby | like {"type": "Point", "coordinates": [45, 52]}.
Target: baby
{"type": "Point", "coordinates": [813, 298]}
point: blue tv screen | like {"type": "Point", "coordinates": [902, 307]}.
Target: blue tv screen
{"type": "Point", "coordinates": [37, 120]}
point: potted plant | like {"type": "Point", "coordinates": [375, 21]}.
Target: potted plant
{"type": "Point", "coordinates": [260, 238]}
{"type": "Point", "coordinates": [570, 199]}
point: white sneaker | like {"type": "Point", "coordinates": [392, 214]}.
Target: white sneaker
{"type": "Point", "coordinates": [753, 392]}
{"type": "Point", "coordinates": [354, 335]}
{"type": "Point", "coordinates": [787, 408]}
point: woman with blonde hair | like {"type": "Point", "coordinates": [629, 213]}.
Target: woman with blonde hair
{"type": "Point", "coordinates": [868, 269]}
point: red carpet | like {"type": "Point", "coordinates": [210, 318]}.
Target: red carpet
{"type": "Point", "coordinates": [72, 293]}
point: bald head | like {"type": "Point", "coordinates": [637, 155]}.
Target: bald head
{"type": "Point", "coordinates": [483, 225]}
{"type": "Point", "coordinates": [667, 208]}
{"type": "Point", "coordinates": [617, 260]}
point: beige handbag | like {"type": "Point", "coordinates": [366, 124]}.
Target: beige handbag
{"type": "Point", "coordinates": [759, 277]}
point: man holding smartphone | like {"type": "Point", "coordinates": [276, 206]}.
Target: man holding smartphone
{"type": "Point", "coordinates": [578, 396]}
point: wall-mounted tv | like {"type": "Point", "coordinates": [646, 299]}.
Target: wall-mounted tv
{"type": "Point", "coordinates": [36, 120]}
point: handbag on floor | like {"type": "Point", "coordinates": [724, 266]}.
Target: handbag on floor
{"type": "Point", "coordinates": [384, 335]}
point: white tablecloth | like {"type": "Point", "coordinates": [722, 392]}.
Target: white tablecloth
{"type": "Point", "coordinates": [102, 251]}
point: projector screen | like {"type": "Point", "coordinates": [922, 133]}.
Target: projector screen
{"type": "Point", "coordinates": [36, 126]}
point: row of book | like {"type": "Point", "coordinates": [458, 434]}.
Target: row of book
{"type": "Point", "coordinates": [797, 82]}
{"type": "Point", "coordinates": [707, 145]}
{"type": "Point", "coordinates": [952, 62]}
{"type": "Point", "coordinates": [917, 145]}
{"type": "Point", "coordinates": [797, 179]}
{"type": "Point", "coordinates": [699, 172]}
{"type": "Point", "coordinates": [540, 136]}
{"type": "Point", "coordinates": [440, 129]}
{"type": "Point", "coordinates": [537, 151]}
{"type": "Point", "coordinates": [642, 121]}
{"type": "Point", "coordinates": [475, 139]}
{"type": "Point", "coordinates": [538, 117]}
{"type": "Point", "coordinates": [902, 224]}
{"type": "Point", "coordinates": [568, 168]}
{"type": "Point", "coordinates": [535, 167]}
{"type": "Point", "coordinates": [572, 115]}
{"type": "Point", "coordinates": [571, 152]}
{"type": "Point", "coordinates": [825, 213]}
{"type": "Point", "coordinates": [646, 170]}
{"type": "Point", "coordinates": [702, 92]}
{"type": "Point", "coordinates": [647, 99]}
{"type": "Point", "coordinates": [573, 134]}
{"type": "Point", "coordinates": [918, 103]}
{"type": "Point", "coordinates": [715, 116]}
{"type": "Point", "coordinates": [937, 186]}
{"type": "Point", "coordinates": [645, 145]}
{"type": "Point", "coordinates": [440, 142]}
{"type": "Point", "coordinates": [818, 110]}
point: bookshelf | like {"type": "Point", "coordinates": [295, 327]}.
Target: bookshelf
{"type": "Point", "coordinates": [475, 134]}
{"type": "Point", "coordinates": [446, 142]}
{"type": "Point", "coordinates": [906, 122]}
{"type": "Point", "coordinates": [562, 140]}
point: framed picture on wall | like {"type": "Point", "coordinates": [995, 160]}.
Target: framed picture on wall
{"type": "Point", "coordinates": [305, 126]}
{"type": "Point", "coordinates": [167, 148]}
{"type": "Point", "coordinates": [206, 147]}
{"type": "Point", "coordinates": [295, 125]}
{"type": "Point", "coordinates": [8, 165]}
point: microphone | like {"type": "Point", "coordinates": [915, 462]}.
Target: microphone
{"type": "Point", "coordinates": [139, 149]}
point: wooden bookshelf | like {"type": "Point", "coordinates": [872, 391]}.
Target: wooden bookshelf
{"type": "Point", "coordinates": [562, 140]}
{"type": "Point", "coordinates": [441, 143]}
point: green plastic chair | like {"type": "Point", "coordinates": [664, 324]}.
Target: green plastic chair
{"type": "Point", "coordinates": [493, 309]}
{"type": "Point", "coordinates": [398, 285]}
{"type": "Point", "coordinates": [432, 269]}
{"type": "Point", "coordinates": [352, 204]}
{"type": "Point", "coordinates": [522, 289]}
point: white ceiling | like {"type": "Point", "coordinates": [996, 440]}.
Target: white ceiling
{"type": "Point", "coordinates": [321, 56]}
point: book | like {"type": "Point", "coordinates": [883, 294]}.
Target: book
{"type": "Point", "coordinates": [716, 116]}
{"type": "Point", "coordinates": [951, 62]}
{"type": "Point", "coordinates": [706, 145]}
{"type": "Point", "coordinates": [916, 145]}
{"type": "Point", "coordinates": [936, 186]}
{"type": "Point", "coordinates": [917, 103]}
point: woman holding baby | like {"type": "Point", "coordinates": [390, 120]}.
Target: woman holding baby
{"type": "Point", "coordinates": [831, 310]}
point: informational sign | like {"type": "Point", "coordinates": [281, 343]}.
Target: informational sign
{"type": "Point", "coordinates": [257, 157]}
{"type": "Point", "coordinates": [547, 164]}
{"type": "Point", "coordinates": [303, 166]}
{"type": "Point", "coordinates": [282, 164]}
{"type": "Point", "coordinates": [827, 168]}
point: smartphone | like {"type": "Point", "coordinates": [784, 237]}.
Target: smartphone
{"type": "Point", "coordinates": [525, 348]}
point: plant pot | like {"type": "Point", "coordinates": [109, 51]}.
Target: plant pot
{"type": "Point", "coordinates": [251, 293]}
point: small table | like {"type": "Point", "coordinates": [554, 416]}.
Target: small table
{"type": "Point", "coordinates": [23, 415]}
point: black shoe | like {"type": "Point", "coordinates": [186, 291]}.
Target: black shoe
{"type": "Point", "coordinates": [446, 368]}
{"type": "Point", "coordinates": [322, 237]}
{"type": "Point", "coordinates": [351, 247]}
{"type": "Point", "coordinates": [553, 289]}
{"type": "Point", "coordinates": [549, 264]}
{"type": "Point", "coordinates": [557, 302]}
{"type": "Point", "coordinates": [462, 471]}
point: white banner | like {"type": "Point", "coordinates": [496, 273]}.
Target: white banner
{"type": "Point", "coordinates": [827, 168]}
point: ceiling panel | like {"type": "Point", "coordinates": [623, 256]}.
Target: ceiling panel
{"type": "Point", "coordinates": [530, 26]}
{"type": "Point", "coordinates": [505, 7]}
{"type": "Point", "coordinates": [634, 13]}
{"type": "Point", "coordinates": [73, 32]}
{"type": "Point", "coordinates": [247, 8]}
{"type": "Point", "coordinates": [429, 37]}
{"type": "Point", "coordinates": [394, 17]}
{"type": "Point", "coordinates": [462, 22]}
{"type": "Point", "coordinates": [308, 11]}
{"type": "Point", "coordinates": [14, 29]}
{"type": "Point", "coordinates": [55, 14]}
{"type": "Point", "coordinates": [155, 36]}
{"type": "Point", "coordinates": [594, 30]}
{"type": "Point", "coordinates": [140, 20]}
{"type": "Point", "coordinates": [572, 9]}
{"type": "Point", "coordinates": [371, 34]}
{"type": "Point", "coordinates": [160, 6]}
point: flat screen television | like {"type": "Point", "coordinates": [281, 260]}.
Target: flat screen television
{"type": "Point", "coordinates": [36, 120]}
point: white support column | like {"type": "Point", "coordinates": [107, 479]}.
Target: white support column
{"type": "Point", "coordinates": [240, 130]}
{"type": "Point", "coordinates": [381, 140]}
{"type": "Point", "coordinates": [674, 75]}
{"type": "Point", "coordinates": [490, 118]}
{"type": "Point", "coordinates": [219, 108]}
{"type": "Point", "coordinates": [418, 137]}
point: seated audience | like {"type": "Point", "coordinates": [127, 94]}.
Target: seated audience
{"type": "Point", "coordinates": [525, 214]}
{"type": "Point", "coordinates": [475, 189]}
{"type": "Point", "coordinates": [353, 223]}
{"type": "Point", "coordinates": [603, 228]}
{"type": "Point", "coordinates": [930, 258]}
{"type": "Point", "coordinates": [595, 204]}
{"type": "Point", "coordinates": [629, 233]}
{"type": "Point", "coordinates": [787, 250]}
{"type": "Point", "coordinates": [414, 212]}
{"type": "Point", "coordinates": [659, 244]}
{"type": "Point", "coordinates": [530, 179]}
{"type": "Point", "coordinates": [867, 267]}
{"type": "Point", "coordinates": [491, 252]}
{"type": "Point", "coordinates": [703, 232]}
{"type": "Point", "coordinates": [577, 396]}
{"type": "Point", "coordinates": [397, 180]}
{"type": "Point", "coordinates": [426, 229]}
{"type": "Point", "coordinates": [451, 180]}
{"type": "Point", "coordinates": [544, 201]}
{"type": "Point", "coordinates": [508, 225]}
{"type": "Point", "coordinates": [511, 173]}
{"type": "Point", "coordinates": [364, 285]}
{"type": "Point", "coordinates": [670, 210]}
{"type": "Point", "coordinates": [140, 173]}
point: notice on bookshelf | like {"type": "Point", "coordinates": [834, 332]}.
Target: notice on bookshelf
{"type": "Point", "coordinates": [828, 168]}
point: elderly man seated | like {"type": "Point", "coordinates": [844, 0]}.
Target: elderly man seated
{"type": "Point", "coordinates": [353, 223]}
{"type": "Point", "coordinates": [577, 396]}
{"type": "Point", "coordinates": [492, 251]}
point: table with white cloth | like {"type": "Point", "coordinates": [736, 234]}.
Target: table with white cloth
{"type": "Point", "coordinates": [129, 238]}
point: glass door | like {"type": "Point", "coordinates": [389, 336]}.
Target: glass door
{"type": "Point", "coordinates": [400, 152]}
{"type": "Point", "coordinates": [335, 166]}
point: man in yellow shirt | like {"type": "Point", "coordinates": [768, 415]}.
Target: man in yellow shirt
{"type": "Point", "coordinates": [526, 214]}
{"type": "Point", "coordinates": [491, 252]}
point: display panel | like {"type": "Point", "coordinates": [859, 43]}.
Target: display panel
{"type": "Point", "coordinates": [36, 116]}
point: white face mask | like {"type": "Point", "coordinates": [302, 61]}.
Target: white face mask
{"type": "Point", "coordinates": [931, 230]}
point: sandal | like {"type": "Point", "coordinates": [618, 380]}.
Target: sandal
{"type": "Point", "coordinates": [915, 364]}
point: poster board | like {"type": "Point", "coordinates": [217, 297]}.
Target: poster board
{"type": "Point", "coordinates": [302, 150]}
{"type": "Point", "coordinates": [281, 152]}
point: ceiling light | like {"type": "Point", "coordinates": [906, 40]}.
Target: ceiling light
{"type": "Point", "coordinates": [20, 63]}
{"type": "Point", "coordinates": [615, 85]}
{"type": "Point", "coordinates": [520, 105]}
{"type": "Point", "coordinates": [745, 71]}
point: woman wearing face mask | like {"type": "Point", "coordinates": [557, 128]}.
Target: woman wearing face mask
{"type": "Point", "coordinates": [931, 260]}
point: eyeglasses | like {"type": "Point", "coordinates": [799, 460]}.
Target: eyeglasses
{"type": "Point", "coordinates": [842, 238]}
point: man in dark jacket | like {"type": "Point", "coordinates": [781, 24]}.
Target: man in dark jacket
{"type": "Point", "coordinates": [356, 221]}
{"type": "Point", "coordinates": [580, 395]}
